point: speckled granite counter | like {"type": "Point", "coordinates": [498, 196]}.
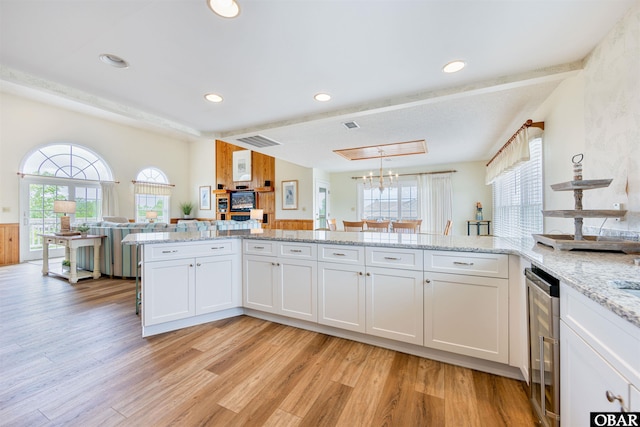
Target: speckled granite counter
{"type": "Point", "coordinates": [591, 273]}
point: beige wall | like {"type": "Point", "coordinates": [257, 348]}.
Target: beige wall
{"type": "Point", "coordinates": [286, 171]}
{"type": "Point", "coordinates": [26, 125]}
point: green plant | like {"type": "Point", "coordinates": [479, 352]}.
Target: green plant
{"type": "Point", "coordinates": [82, 228]}
{"type": "Point", "coordinates": [66, 263]}
{"type": "Point", "coordinates": [186, 207]}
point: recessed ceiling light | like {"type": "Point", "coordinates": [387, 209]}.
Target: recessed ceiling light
{"type": "Point", "coordinates": [454, 66]}
{"type": "Point", "coordinates": [224, 8]}
{"type": "Point", "coordinates": [322, 97]}
{"type": "Point", "coordinates": [213, 97]}
{"type": "Point", "coordinates": [113, 60]}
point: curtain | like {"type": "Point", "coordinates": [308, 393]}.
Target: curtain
{"type": "Point", "coordinates": [109, 199]}
{"type": "Point", "coordinates": [512, 154]}
{"type": "Point", "coordinates": [436, 202]}
{"type": "Point", "coordinates": [153, 188]}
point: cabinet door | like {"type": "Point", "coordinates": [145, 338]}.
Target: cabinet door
{"type": "Point", "coordinates": [217, 283]}
{"type": "Point", "coordinates": [259, 283]}
{"type": "Point", "coordinates": [168, 291]}
{"type": "Point", "coordinates": [395, 304]}
{"type": "Point", "coordinates": [585, 378]}
{"type": "Point", "coordinates": [467, 315]}
{"type": "Point", "coordinates": [341, 296]}
{"type": "Point", "coordinates": [298, 293]}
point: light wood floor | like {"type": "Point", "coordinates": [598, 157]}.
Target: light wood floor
{"type": "Point", "coordinates": [73, 355]}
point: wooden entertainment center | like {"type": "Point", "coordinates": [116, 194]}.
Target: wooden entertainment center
{"type": "Point", "coordinates": [262, 172]}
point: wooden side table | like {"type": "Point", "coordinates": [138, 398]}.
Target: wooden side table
{"type": "Point", "coordinates": [71, 244]}
{"type": "Point", "coordinates": [478, 224]}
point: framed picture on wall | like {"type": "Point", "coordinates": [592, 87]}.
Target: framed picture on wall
{"type": "Point", "coordinates": [205, 198]}
{"type": "Point", "coordinates": [290, 194]}
{"type": "Point", "coordinates": [242, 165]}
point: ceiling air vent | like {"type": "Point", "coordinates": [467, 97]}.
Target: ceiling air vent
{"type": "Point", "coordinates": [259, 141]}
{"type": "Point", "coordinates": [351, 125]}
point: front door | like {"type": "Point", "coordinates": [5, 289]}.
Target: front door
{"type": "Point", "coordinates": [322, 204]}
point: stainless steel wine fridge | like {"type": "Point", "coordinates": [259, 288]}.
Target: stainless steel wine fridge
{"type": "Point", "coordinates": [543, 307]}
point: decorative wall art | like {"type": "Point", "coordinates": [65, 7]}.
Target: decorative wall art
{"type": "Point", "coordinates": [290, 194]}
{"type": "Point", "coordinates": [242, 165]}
{"type": "Point", "coordinates": [205, 198]}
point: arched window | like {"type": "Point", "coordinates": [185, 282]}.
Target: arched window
{"type": "Point", "coordinates": [152, 191]}
{"type": "Point", "coordinates": [59, 171]}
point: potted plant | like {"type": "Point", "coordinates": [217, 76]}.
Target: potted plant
{"type": "Point", "coordinates": [66, 265]}
{"type": "Point", "coordinates": [83, 229]}
{"type": "Point", "coordinates": [186, 208]}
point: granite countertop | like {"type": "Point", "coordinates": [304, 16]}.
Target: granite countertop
{"type": "Point", "coordinates": [591, 273]}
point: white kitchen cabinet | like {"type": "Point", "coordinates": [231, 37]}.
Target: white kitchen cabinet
{"type": "Point", "coordinates": [599, 362]}
{"type": "Point", "coordinates": [341, 295]}
{"type": "Point", "coordinates": [217, 283]}
{"type": "Point", "coordinates": [169, 291]}
{"type": "Point", "coordinates": [585, 379]}
{"type": "Point", "coordinates": [467, 315]}
{"type": "Point", "coordinates": [394, 304]}
{"type": "Point", "coordinates": [178, 284]}
{"type": "Point", "coordinates": [285, 284]}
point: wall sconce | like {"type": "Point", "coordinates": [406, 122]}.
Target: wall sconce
{"type": "Point", "coordinates": [151, 216]}
{"type": "Point", "coordinates": [64, 207]}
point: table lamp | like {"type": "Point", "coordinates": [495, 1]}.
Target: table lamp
{"type": "Point", "coordinates": [256, 214]}
{"type": "Point", "coordinates": [151, 215]}
{"type": "Point", "coordinates": [64, 207]}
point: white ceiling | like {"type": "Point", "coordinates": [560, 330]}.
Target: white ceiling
{"type": "Point", "coordinates": [380, 60]}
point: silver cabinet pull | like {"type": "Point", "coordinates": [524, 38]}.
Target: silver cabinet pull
{"type": "Point", "coordinates": [218, 247]}
{"type": "Point", "coordinates": [338, 254]}
{"type": "Point", "coordinates": [258, 247]}
{"type": "Point", "coordinates": [612, 398]}
{"type": "Point", "coordinates": [297, 251]}
{"type": "Point", "coordinates": [542, 339]}
{"type": "Point", "coordinates": [190, 265]}
{"type": "Point", "coordinates": [359, 273]}
{"type": "Point", "coordinates": [462, 263]}
{"type": "Point", "coordinates": [427, 280]}
{"type": "Point", "coordinates": [170, 252]}
{"type": "Point", "coordinates": [199, 265]}
{"type": "Point", "coordinates": [368, 274]}
{"type": "Point", "coordinates": [275, 264]}
{"type": "Point", "coordinates": [391, 258]}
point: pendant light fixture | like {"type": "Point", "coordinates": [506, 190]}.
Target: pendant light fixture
{"type": "Point", "coordinates": [224, 8]}
{"type": "Point", "coordinates": [383, 181]}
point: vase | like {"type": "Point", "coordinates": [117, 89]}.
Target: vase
{"type": "Point", "coordinates": [479, 214]}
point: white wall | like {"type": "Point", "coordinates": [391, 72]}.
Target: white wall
{"type": "Point", "coordinates": [468, 188]}
{"type": "Point", "coordinates": [202, 172]}
{"type": "Point", "coordinates": [286, 171]}
{"type": "Point", "coordinates": [27, 124]}
{"type": "Point", "coordinates": [598, 113]}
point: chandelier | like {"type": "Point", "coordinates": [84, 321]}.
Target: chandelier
{"type": "Point", "coordinates": [382, 181]}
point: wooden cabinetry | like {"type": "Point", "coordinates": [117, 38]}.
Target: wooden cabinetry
{"type": "Point", "coordinates": [9, 244]}
{"type": "Point", "coordinates": [466, 310]}
{"type": "Point", "coordinates": [600, 367]}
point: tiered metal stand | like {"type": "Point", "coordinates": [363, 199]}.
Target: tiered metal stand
{"type": "Point", "coordinates": [578, 240]}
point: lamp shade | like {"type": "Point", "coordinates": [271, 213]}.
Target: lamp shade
{"type": "Point", "coordinates": [151, 215]}
{"type": "Point", "coordinates": [256, 214]}
{"type": "Point", "coordinates": [64, 206]}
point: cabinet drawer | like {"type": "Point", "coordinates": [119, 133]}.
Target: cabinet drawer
{"type": "Point", "coordinates": [188, 249]}
{"type": "Point", "coordinates": [260, 247]}
{"type": "Point", "coordinates": [470, 263]}
{"type": "Point", "coordinates": [342, 254]}
{"type": "Point", "coordinates": [298, 250]}
{"type": "Point", "coordinates": [408, 259]}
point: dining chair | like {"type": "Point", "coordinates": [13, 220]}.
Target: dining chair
{"type": "Point", "coordinates": [404, 227]}
{"type": "Point", "coordinates": [418, 223]}
{"type": "Point", "coordinates": [331, 224]}
{"type": "Point", "coordinates": [378, 226]}
{"type": "Point", "coordinates": [353, 225]}
{"type": "Point", "coordinates": [447, 227]}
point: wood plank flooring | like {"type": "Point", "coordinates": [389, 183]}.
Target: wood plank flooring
{"type": "Point", "coordinates": [73, 355]}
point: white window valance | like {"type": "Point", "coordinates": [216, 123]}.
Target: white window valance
{"type": "Point", "coordinates": [513, 153]}
{"type": "Point", "coordinates": [154, 188]}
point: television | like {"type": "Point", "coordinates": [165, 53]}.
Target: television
{"type": "Point", "coordinates": [242, 201]}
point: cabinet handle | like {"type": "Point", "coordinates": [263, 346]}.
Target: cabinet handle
{"type": "Point", "coordinates": [462, 263]}
{"type": "Point", "coordinates": [218, 247]}
{"type": "Point", "coordinates": [392, 258]}
{"type": "Point", "coordinates": [338, 254]}
{"type": "Point", "coordinates": [295, 251]}
{"type": "Point", "coordinates": [170, 252]}
{"type": "Point", "coordinates": [190, 265]}
{"type": "Point", "coordinates": [368, 274]}
{"type": "Point", "coordinates": [552, 341]}
{"type": "Point", "coordinates": [612, 398]}
{"type": "Point", "coordinates": [359, 273]}
{"type": "Point", "coordinates": [198, 264]}
{"type": "Point", "coordinates": [276, 264]}
{"type": "Point", "coordinates": [258, 247]}
{"type": "Point", "coordinates": [427, 280]}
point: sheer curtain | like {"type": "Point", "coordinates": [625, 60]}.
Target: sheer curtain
{"type": "Point", "coordinates": [436, 202]}
{"type": "Point", "coordinates": [109, 199]}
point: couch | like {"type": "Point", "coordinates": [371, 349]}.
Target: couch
{"type": "Point", "coordinates": [119, 260]}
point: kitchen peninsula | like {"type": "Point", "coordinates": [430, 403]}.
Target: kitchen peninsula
{"type": "Point", "coordinates": [458, 299]}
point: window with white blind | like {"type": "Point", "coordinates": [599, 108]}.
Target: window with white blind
{"type": "Point", "coordinates": [517, 197]}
